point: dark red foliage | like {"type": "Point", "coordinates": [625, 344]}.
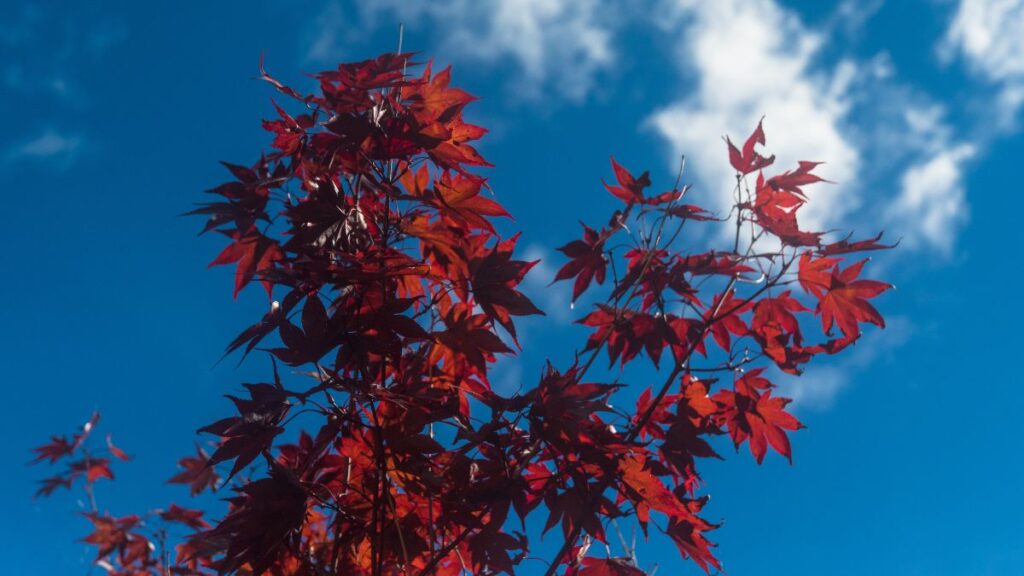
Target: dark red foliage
{"type": "Point", "coordinates": [112, 534]}
{"type": "Point", "coordinates": [265, 518]}
{"type": "Point", "coordinates": [607, 567]}
{"type": "Point", "coordinates": [191, 518]}
{"type": "Point", "coordinates": [57, 448]}
{"type": "Point", "coordinates": [252, 432]}
{"type": "Point", "coordinates": [197, 472]}
{"type": "Point", "coordinates": [388, 451]}
{"type": "Point", "coordinates": [588, 261]}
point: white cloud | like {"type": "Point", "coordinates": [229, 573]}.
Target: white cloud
{"type": "Point", "coordinates": [852, 15]}
{"type": "Point", "coordinates": [748, 59]}
{"type": "Point", "coordinates": [931, 206]}
{"type": "Point", "coordinates": [932, 198]}
{"type": "Point", "coordinates": [989, 35]}
{"type": "Point", "coordinates": [737, 60]}
{"type": "Point", "coordinates": [50, 146]}
{"type": "Point", "coordinates": [560, 45]}
{"type": "Point", "coordinates": [817, 388]}
{"type": "Point", "coordinates": [330, 30]}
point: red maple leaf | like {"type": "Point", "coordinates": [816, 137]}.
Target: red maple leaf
{"type": "Point", "coordinates": [93, 469]}
{"type": "Point", "coordinates": [660, 414]}
{"type": "Point", "coordinates": [252, 432]}
{"type": "Point", "coordinates": [845, 245]}
{"type": "Point", "coordinates": [588, 261]}
{"type": "Point", "coordinates": [689, 538]}
{"type": "Point", "coordinates": [564, 408]}
{"type": "Point", "coordinates": [265, 517]}
{"type": "Point", "coordinates": [494, 276]}
{"type": "Point", "coordinates": [467, 339]}
{"type": "Point", "coordinates": [433, 97]}
{"type": "Point", "coordinates": [749, 160]}
{"type": "Point", "coordinates": [110, 533]}
{"type": "Point", "coordinates": [794, 180]}
{"type": "Point", "coordinates": [815, 274]}
{"type": "Point", "coordinates": [198, 473]}
{"type": "Point", "coordinates": [751, 414]}
{"type": "Point", "coordinates": [727, 320]}
{"type": "Point", "coordinates": [627, 333]}
{"type": "Point", "coordinates": [845, 301]}
{"type": "Point", "coordinates": [690, 212]}
{"type": "Point", "coordinates": [459, 197]}
{"type": "Point", "coordinates": [777, 329]}
{"type": "Point", "coordinates": [289, 132]}
{"type": "Point", "coordinates": [191, 518]}
{"type": "Point", "coordinates": [115, 451]}
{"type": "Point", "coordinates": [48, 486]}
{"type": "Point", "coordinates": [442, 132]}
{"type": "Point", "coordinates": [57, 448]}
{"type": "Point", "coordinates": [647, 492]}
{"type": "Point", "coordinates": [629, 188]}
{"type": "Point", "coordinates": [255, 255]}
{"type": "Point", "coordinates": [777, 201]}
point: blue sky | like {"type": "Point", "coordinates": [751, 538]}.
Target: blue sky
{"type": "Point", "coordinates": [116, 114]}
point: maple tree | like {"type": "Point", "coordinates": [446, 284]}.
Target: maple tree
{"type": "Point", "coordinates": [392, 296]}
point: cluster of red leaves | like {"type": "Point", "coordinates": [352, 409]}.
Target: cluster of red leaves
{"type": "Point", "coordinates": [128, 545]}
{"type": "Point", "coordinates": [395, 295]}
{"type": "Point", "coordinates": [80, 462]}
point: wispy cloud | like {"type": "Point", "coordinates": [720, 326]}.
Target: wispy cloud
{"type": "Point", "coordinates": [989, 36]}
{"type": "Point", "coordinates": [753, 58]}
{"type": "Point", "coordinates": [739, 60]}
{"type": "Point", "coordinates": [559, 46]}
{"type": "Point", "coordinates": [51, 51]}
{"type": "Point", "coordinates": [932, 198]}
{"type": "Point", "coordinates": [57, 149]}
{"type": "Point", "coordinates": [329, 35]}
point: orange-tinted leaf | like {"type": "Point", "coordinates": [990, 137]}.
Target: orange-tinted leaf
{"type": "Point", "coordinates": [115, 451]}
